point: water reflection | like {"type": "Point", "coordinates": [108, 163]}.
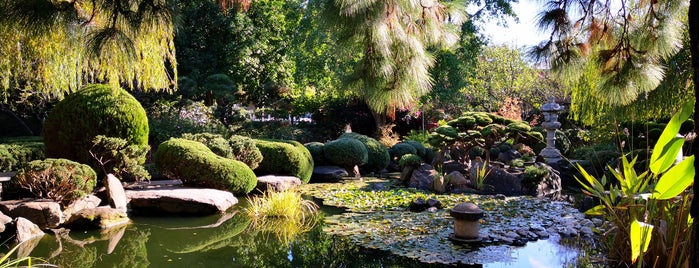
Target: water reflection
{"type": "Point", "coordinates": [229, 241]}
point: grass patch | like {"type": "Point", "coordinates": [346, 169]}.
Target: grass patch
{"type": "Point", "coordinates": [285, 214]}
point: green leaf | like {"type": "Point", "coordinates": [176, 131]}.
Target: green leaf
{"type": "Point", "coordinates": [640, 235]}
{"type": "Point", "coordinates": [667, 139]}
{"type": "Point", "coordinates": [666, 155]}
{"type": "Point", "coordinates": [676, 180]}
{"type": "Point", "coordinates": [596, 211]}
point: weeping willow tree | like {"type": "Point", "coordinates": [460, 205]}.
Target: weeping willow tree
{"type": "Point", "coordinates": [392, 70]}
{"type": "Point", "coordinates": [53, 47]}
{"type": "Point", "coordinates": [615, 58]}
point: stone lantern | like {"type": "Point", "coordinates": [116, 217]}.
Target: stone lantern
{"type": "Point", "coordinates": [466, 225]}
{"type": "Point", "coordinates": [551, 110]}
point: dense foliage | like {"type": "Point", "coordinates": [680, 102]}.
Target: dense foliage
{"type": "Point", "coordinates": [15, 152]}
{"type": "Point", "coordinates": [196, 165]}
{"type": "Point", "coordinates": [61, 180]}
{"type": "Point", "coordinates": [282, 157]}
{"type": "Point", "coordinates": [346, 153]}
{"type": "Point", "coordinates": [378, 153]}
{"type": "Point", "coordinates": [95, 110]}
{"type": "Point", "coordinates": [117, 156]}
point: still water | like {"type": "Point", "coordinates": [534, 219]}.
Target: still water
{"type": "Point", "coordinates": [228, 241]}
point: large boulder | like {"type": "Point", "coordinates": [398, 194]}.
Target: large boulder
{"type": "Point", "coordinates": [180, 201]}
{"type": "Point", "coordinates": [423, 177]}
{"type": "Point", "coordinates": [115, 193]}
{"type": "Point", "coordinates": [499, 181]}
{"type": "Point", "coordinates": [44, 213]}
{"type": "Point", "coordinates": [4, 220]}
{"type": "Point", "coordinates": [276, 183]}
{"type": "Point", "coordinates": [328, 174]}
{"type": "Point", "coordinates": [87, 202]}
{"type": "Point", "coordinates": [549, 185]}
{"type": "Point", "coordinates": [23, 230]}
{"type": "Point", "coordinates": [96, 218]}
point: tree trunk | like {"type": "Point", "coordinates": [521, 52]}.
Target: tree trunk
{"type": "Point", "coordinates": [694, 50]}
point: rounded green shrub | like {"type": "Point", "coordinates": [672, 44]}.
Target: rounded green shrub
{"type": "Point", "coordinates": [410, 160]}
{"type": "Point", "coordinates": [400, 149]}
{"type": "Point", "coordinates": [476, 151]}
{"type": "Point", "coordinates": [216, 143]}
{"type": "Point", "coordinates": [378, 153]}
{"type": "Point", "coordinates": [94, 110]}
{"type": "Point", "coordinates": [419, 147]}
{"type": "Point", "coordinates": [196, 165]}
{"type": "Point", "coordinates": [316, 150]}
{"type": "Point", "coordinates": [519, 126]}
{"type": "Point", "coordinates": [281, 157]}
{"type": "Point", "coordinates": [244, 150]}
{"type": "Point", "coordinates": [61, 180]}
{"type": "Point", "coordinates": [345, 152]}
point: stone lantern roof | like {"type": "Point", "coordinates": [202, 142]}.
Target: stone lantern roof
{"type": "Point", "coordinates": [466, 211]}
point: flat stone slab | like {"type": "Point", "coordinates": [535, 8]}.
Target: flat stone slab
{"type": "Point", "coordinates": [180, 201]}
{"type": "Point", "coordinates": [276, 183]}
{"type": "Point", "coordinates": [328, 174]}
{"type": "Point", "coordinates": [153, 184]}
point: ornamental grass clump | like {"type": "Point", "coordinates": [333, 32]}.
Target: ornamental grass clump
{"type": "Point", "coordinates": [282, 213]}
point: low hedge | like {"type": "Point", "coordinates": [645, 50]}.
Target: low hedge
{"type": "Point", "coordinates": [345, 153]}
{"type": "Point", "coordinates": [285, 157]}
{"type": "Point", "coordinates": [17, 151]}
{"type": "Point", "coordinates": [196, 165]}
{"type": "Point", "coordinates": [61, 180]}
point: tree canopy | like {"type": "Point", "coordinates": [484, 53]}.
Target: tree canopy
{"type": "Point", "coordinates": [55, 47]}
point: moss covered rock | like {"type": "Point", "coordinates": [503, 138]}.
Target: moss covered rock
{"type": "Point", "coordinates": [378, 153]}
{"type": "Point", "coordinates": [282, 157]}
{"type": "Point", "coordinates": [345, 152]}
{"type": "Point", "coordinates": [196, 165]}
{"type": "Point", "coordinates": [94, 110]}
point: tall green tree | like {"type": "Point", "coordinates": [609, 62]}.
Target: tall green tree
{"type": "Point", "coordinates": [261, 58]}
{"type": "Point", "coordinates": [393, 37]}
{"type": "Point", "coordinates": [55, 47]}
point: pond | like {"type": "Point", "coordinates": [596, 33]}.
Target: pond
{"type": "Point", "coordinates": [228, 241]}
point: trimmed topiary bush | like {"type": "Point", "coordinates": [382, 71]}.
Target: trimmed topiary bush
{"type": "Point", "coordinates": [94, 110]}
{"type": "Point", "coordinates": [196, 165]}
{"type": "Point", "coordinates": [244, 150]}
{"type": "Point", "coordinates": [217, 143]}
{"type": "Point", "coordinates": [281, 157]}
{"type": "Point", "coordinates": [400, 149]}
{"type": "Point", "coordinates": [61, 180]}
{"type": "Point", "coordinates": [378, 154]}
{"type": "Point", "coordinates": [410, 160]}
{"type": "Point", "coordinates": [316, 150]}
{"type": "Point", "coordinates": [419, 147]}
{"type": "Point", "coordinates": [345, 153]}
{"type": "Point", "coordinates": [17, 151]}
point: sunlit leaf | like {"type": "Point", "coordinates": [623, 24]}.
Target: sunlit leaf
{"type": "Point", "coordinates": [640, 235]}
{"type": "Point", "coordinates": [667, 142]}
{"type": "Point", "coordinates": [676, 180]}
{"type": "Point", "coordinates": [596, 211]}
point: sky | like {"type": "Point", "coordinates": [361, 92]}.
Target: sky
{"type": "Point", "coordinates": [519, 34]}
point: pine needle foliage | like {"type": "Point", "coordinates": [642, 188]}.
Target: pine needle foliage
{"type": "Point", "coordinates": [611, 54]}
{"type": "Point", "coordinates": [393, 37]}
{"type": "Point", "coordinates": [55, 47]}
